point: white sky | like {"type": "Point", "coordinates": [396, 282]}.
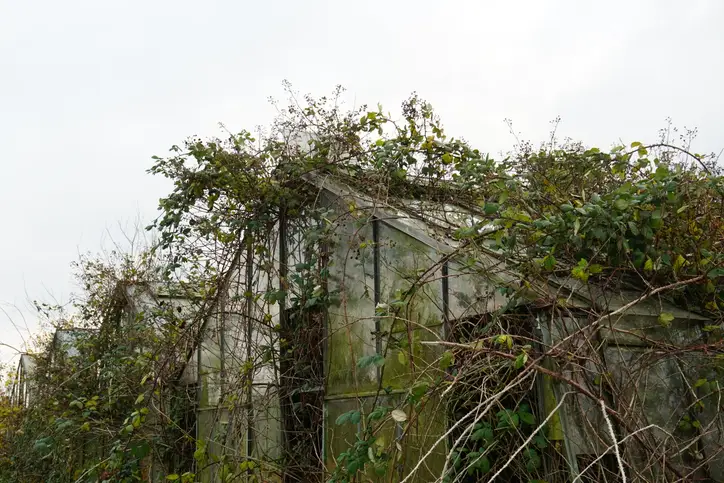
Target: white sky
{"type": "Point", "coordinates": [90, 90]}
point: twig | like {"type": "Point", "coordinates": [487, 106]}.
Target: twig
{"type": "Point", "coordinates": [615, 442]}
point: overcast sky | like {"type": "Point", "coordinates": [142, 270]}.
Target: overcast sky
{"type": "Point", "coordinates": [90, 90]}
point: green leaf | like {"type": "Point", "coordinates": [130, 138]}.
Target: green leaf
{"type": "Point", "coordinates": [700, 382]}
{"type": "Point", "coordinates": [507, 419]}
{"type": "Point", "coordinates": [374, 359]}
{"type": "Point", "coordinates": [715, 273]}
{"type": "Point", "coordinates": [580, 273]}
{"type": "Point", "coordinates": [633, 228]}
{"type": "Point", "coordinates": [534, 460]}
{"type": "Point", "coordinates": [446, 360]}
{"type": "Point", "coordinates": [173, 477]}
{"type": "Point", "coordinates": [140, 398]}
{"type": "Point", "coordinates": [521, 360]}
{"type": "Point", "coordinates": [483, 464]}
{"type": "Point", "coordinates": [540, 441]}
{"type": "Point", "coordinates": [200, 452]}
{"type": "Point", "coordinates": [665, 319]}
{"type": "Point", "coordinates": [377, 414]}
{"type": "Point", "coordinates": [483, 434]}
{"type": "Point", "coordinates": [621, 204]}
{"type": "Point", "coordinates": [527, 418]}
{"type": "Point", "coordinates": [355, 417]}
{"type": "Point", "coordinates": [549, 262]}
{"type": "Point", "coordinates": [649, 265]}
{"type": "Point", "coordinates": [419, 389]}
{"type": "Point", "coordinates": [491, 208]}
{"type": "Point", "coordinates": [353, 467]}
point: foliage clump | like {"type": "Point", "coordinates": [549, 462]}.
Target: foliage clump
{"type": "Point", "coordinates": [637, 218]}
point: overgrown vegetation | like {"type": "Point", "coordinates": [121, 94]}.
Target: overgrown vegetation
{"type": "Point", "coordinates": [543, 222]}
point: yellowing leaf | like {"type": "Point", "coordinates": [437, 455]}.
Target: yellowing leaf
{"type": "Point", "coordinates": [505, 340]}
{"type": "Point", "coordinates": [679, 263]}
{"type": "Point", "coordinates": [665, 319]}
{"type": "Point", "coordinates": [371, 454]}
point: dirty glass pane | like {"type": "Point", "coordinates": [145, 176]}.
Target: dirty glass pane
{"type": "Point", "coordinates": [351, 325]}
